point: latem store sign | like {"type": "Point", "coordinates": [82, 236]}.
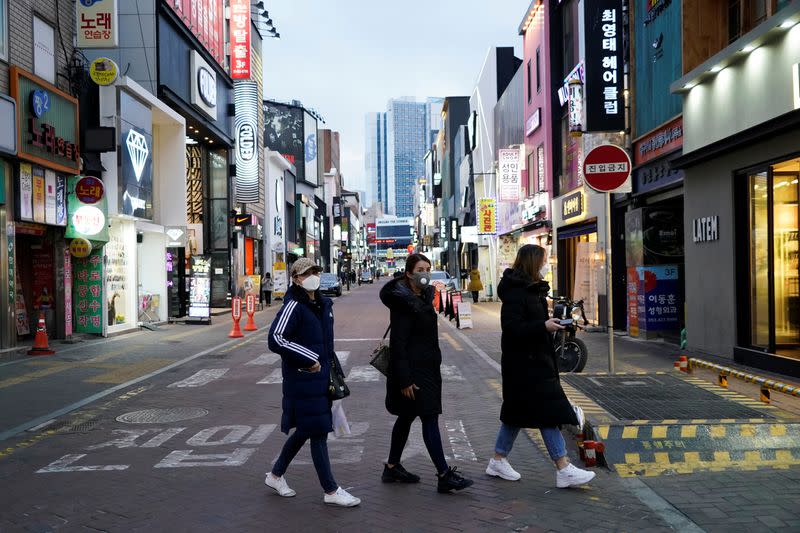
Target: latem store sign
{"type": "Point", "coordinates": [48, 132]}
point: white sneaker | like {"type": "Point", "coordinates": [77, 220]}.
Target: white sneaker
{"type": "Point", "coordinates": [502, 469]}
{"type": "Point", "coordinates": [341, 498]}
{"type": "Point", "coordinates": [572, 476]}
{"type": "Point", "coordinates": [279, 484]}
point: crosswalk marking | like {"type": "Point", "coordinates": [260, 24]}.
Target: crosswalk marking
{"type": "Point", "coordinates": [343, 356]}
{"type": "Point", "coordinates": [200, 378]}
{"type": "Point", "coordinates": [363, 373]}
{"type": "Point", "coordinates": [451, 373]}
{"type": "Point", "coordinates": [273, 378]}
{"type": "Point", "coordinates": [264, 359]}
{"type": "Point", "coordinates": [459, 442]}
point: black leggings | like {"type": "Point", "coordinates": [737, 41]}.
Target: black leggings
{"type": "Point", "coordinates": [430, 434]}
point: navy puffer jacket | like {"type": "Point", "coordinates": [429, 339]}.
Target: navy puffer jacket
{"type": "Point", "coordinates": [302, 334]}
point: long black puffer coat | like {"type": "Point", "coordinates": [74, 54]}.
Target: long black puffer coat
{"type": "Point", "coordinates": [532, 393]}
{"type": "Point", "coordinates": [415, 355]}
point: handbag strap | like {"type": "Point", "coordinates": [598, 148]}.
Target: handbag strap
{"type": "Point", "coordinates": [387, 331]}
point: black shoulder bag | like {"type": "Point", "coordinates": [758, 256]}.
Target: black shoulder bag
{"type": "Point", "coordinates": [380, 355]}
{"type": "Point", "coordinates": [337, 388]}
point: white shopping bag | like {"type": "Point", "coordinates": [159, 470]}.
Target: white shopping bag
{"type": "Point", "coordinates": [340, 425]}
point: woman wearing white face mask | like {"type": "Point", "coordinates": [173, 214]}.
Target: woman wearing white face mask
{"type": "Point", "coordinates": [302, 334]}
{"type": "Point", "coordinates": [414, 380]}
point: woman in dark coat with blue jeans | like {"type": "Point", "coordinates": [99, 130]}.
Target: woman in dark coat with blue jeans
{"type": "Point", "coordinates": [302, 334]}
{"type": "Point", "coordinates": [532, 393]}
{"type": "Point", "coordinates": [414, 380]}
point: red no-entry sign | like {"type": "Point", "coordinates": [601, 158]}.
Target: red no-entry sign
{"type": "Point", "coordinates": [606, 168]}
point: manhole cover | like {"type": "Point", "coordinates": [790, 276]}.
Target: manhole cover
{"type": "Point", "coordinates": [160, 416]}
{"type": "Point", "coordinates": [657, 397]}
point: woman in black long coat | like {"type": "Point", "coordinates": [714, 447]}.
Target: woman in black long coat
{"type": "Point", "coordinates": [414, 380]}
{"type": "Point", "coordinates": [532, 393]}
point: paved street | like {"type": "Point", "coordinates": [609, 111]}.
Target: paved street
{"type": "Point", "coordinates": [186, 448]}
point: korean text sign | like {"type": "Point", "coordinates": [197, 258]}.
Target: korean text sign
{"type": "Point", "coordinates": [604, 68]}
{"type": "Point", "coordinates": [97, 24]}
{"type": "Point", "coordinates": [87, 285]}
{"type": "Point", "coordinates": [508, 179]}
{"type": "Point", "coordinates": [240, 39]}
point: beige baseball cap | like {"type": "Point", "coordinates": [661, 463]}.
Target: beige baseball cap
{"type": "Point", "coordinates": [303, 265]}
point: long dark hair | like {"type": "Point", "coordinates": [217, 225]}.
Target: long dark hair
{"type": "Point", "coordinates": [530, 260]}
{"type": "Point", "coordinates": [412, 260]}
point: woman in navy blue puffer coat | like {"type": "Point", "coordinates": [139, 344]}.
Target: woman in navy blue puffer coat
{"type": "Point", "coordinates": [302, 334]}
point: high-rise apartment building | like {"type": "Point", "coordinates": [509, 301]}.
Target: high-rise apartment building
{"type": "Point", "coordinates": [375, 158]}
{"type": "Point", "coordinates": [396, 142]}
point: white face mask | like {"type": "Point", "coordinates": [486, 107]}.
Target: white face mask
{"type": "Point", "coordinates": [545, 270]}
{"type": "Point", "coordinates": [311, 283]}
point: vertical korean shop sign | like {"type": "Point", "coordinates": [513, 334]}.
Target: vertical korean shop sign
{"type": "Point", "coordinates": [509, 178]}
{"type": "Point", "coordinates": [240, 39]}
{"type": "Point", "coordinates": [97, 23]}
{"type": "Point", "coordinates": [88, 292]}
{"type": "Point", "coordinates": [487, 216]}
{"type": "Point", "coordinates": [604, 98]}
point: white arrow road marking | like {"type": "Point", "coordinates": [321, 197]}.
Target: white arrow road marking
{"type": "Point", "coordinates": [260, 434]}
{"type": "Point", "coordinates": [264, 359]}
{"type": "Point", "coordinates": [275, 377]}
{"type": "Point", "coordinates": [62, 465]}
{"type": "Point", "coordinates": [182, 458]}
{"type": "Point", "coordinates": [451, 373]}
{"type": "Point", "coordinates": [343, 357]}
{"type": "Point", "coordinates": [363, 373]}
{"type": "Point", "coordinates": [230, 435]}
{"type": "Point", "coordinates": [200, 378]}
{"type": "Point", "coordinates": [459, 442]}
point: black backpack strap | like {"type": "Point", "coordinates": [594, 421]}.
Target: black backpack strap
{"type": "Point", "coordinates": [387, 332]}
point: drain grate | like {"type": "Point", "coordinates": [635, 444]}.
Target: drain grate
{"type": "Point", "coordinates": [162, 416]}
{"type": "Point", "coordinates": [71, 426]}
{"type": "Point", "coordinates": [658, 397]}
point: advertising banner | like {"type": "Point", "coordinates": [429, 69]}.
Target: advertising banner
{"type": "Point", "coordinates": [136, 171]}
{"type": "Point", "coordinates": [200, 287]}
{"type": "Point", "coordinates": [97, 24]}
{"type": "Point", "coordinates": [250, 285]}
{"type": "Point", "coordinates": [310, 148]}
{"type": "Point", "coordinates": [39, 209]}
{"type": "Point", "coordinates": [508, 176]}
{"type": "Point", "coordinates": [464, 315]}
{"type": "Point", "coordinates": [279, 279]}
{"type": "Point", "coordinates": [487, 216]}
{"type": "Point", "coordinates": [659, 298]}
{"type": "Point", "coordinates": [25, 192]}
{"type": "Point", "coordinates": [240, 39]}
{"type": "Point", "coordinates": [88, 209]}
{"type": "Point", "coordinates": [88, 293]}
{"type": "Point", "coordinates": [604, 69]}
{"type": "Point", "coordinates": [633, 302]}
{"type": "Point", "coordinates": [284, 132]}
{"type": "Point", "coordinates": [67, 293]}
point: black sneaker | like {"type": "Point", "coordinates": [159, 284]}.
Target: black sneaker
{"type": "Point", "coordinates": [452, 480]}
{"type": "Point", "coordinates": [398, 474]}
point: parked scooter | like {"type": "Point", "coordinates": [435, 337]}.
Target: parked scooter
{"type": "Point", "coordinates": [571, 352]}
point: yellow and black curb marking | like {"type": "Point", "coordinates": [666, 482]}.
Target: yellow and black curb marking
{"type": "Point", "coordinates": [690, 446]}
{"type": "Point", "coordinates": [733, 396]}
{"type": "Point", "coordinates": [765, 383]}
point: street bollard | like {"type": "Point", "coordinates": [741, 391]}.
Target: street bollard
{"type": "Point", "coordinates": [236, 313]}
{"type": "Point", "coordinates": [765, 395]}
{"type": "Point", "coordinates": [723, 380]}
{"type": "Point", "coordinates": [251, 309]}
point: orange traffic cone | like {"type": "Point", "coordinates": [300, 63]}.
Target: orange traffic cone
{"type": "Point", "coordinates": [40, 342]}
{"type": "Point", "coordinates": [251, 325]}
{"type": "Point", "coordinates": [683, 364]}
{"type": "Point", "coordinates": [236, 332]}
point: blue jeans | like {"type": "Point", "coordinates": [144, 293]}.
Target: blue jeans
{"type": "Point", "coordinates": [319, 454]}
{"type": "Point", "coordinates": [552, 437]}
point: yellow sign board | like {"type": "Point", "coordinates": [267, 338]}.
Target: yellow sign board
{"type": "Point", "coordinates": [103, 71]}
{"type": "Point", "coordinates": [487, 216]}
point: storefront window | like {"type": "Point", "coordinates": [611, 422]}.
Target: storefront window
{"type": "Point", "coordinates": [774, 267]}
{"type": "Point", "coordinates": [4, 29]}
{"type": "Point", "coordinates": [121, 293]}
{"type": "Point", "coordinates": [218, 176]}
{"type": "Point", "coordinates": [784, 209]}
{"type": "Point", "coordinates": [759, 259]}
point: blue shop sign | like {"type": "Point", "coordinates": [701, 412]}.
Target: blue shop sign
{"type": "Point", "coordinates": [654, 176]}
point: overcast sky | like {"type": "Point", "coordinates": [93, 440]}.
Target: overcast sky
{"type": "Point", "coordinates": [345, 58]}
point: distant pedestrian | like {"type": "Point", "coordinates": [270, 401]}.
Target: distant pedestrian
{"type": "Point", "coordinates": [414, 380]}
{"type": "Point", "coordinates": [475, 285]}
{"type": "Point", "coordinates": [302, 334]}
{"type": "Point", "coordinates": [532, 393]}
{"type": "Point", "coordinates": [266, 288]}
